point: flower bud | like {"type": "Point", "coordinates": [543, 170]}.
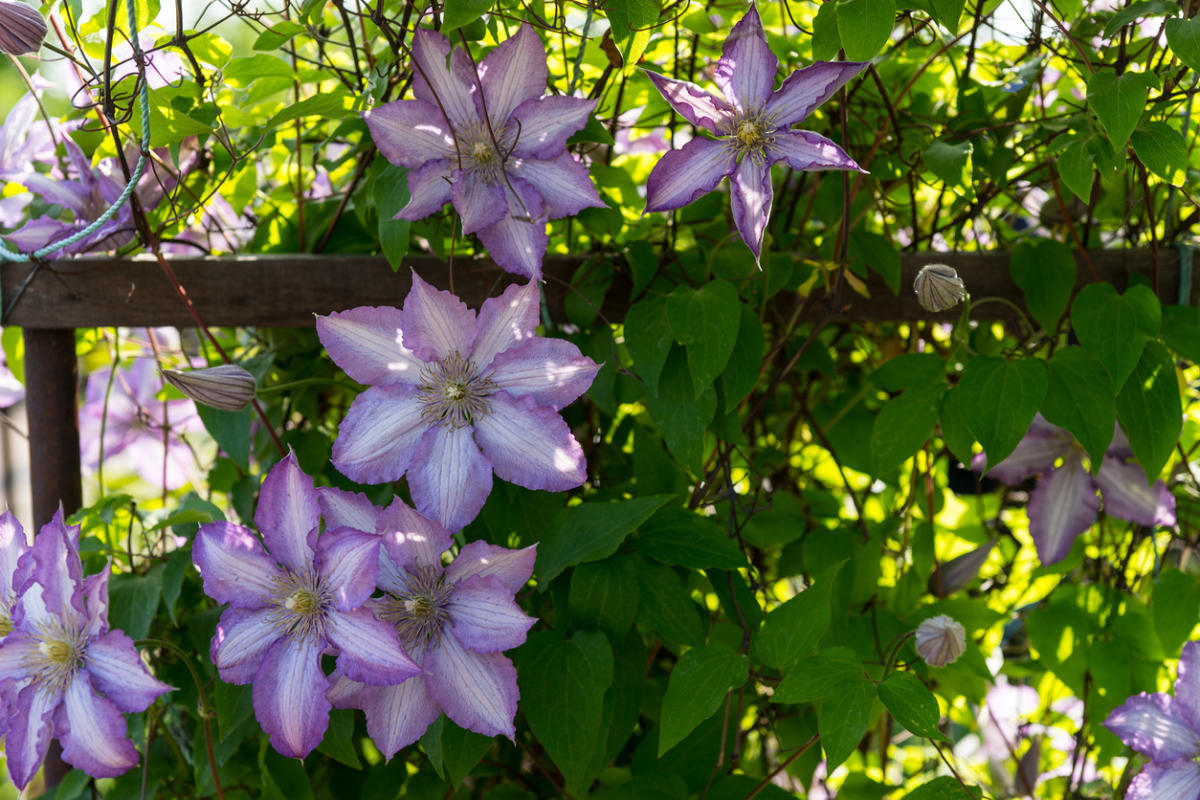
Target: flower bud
{"type": "Point", "coordinates": [958, 572]}
{"type": "Point", "coordinates": [227, 387]}
{"type": "Point", "coordinates": [941, 640]}
{"type": "Point", "coordinates": [21, 28]}
{"type": "Point", "coordinates": [938, 287]}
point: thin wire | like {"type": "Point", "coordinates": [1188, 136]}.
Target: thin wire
{"type": "Point", "coordinates": [110, 212]}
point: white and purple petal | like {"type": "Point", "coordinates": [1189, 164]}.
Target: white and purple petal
{"type": "Point", "coordinates": [447, 89]}
{"type": "Point", "coordinates": [92, 732]}
{"type": "Point", "coordinates": [544, 124]}
{"type": "Point", "coordinates": [518, 242]}
{"type": "Point", "coordinates": [289, 696]}
{"type": "Point", "coordinates": [1170, 780]}
{"type": "Point", "coordinates": [506, 321]}
{"type": "Point", "coordinates": [691, 102]}
{"type": "Point", "coordinates": [233, 565]}
{"type": "Point", "coordinates": [514, 73]}
{"type": "Point", "coordinates": [684, 175]}
{"type": "Point", "coordinates": [410, 133]}
{"type": "Point", "coordinates": [13, 545]}
{"type": "Point", "coordinates": [1151, 724]}
{"type": "Point", "coordinates": [1063, 505]}
{"type": "Point", "coordinates": [366, 343]}
{"type": "Point", "coordinates": [805, 150]}
{"type": "Point", "coordinates": [57, 569]}
{"type": "Point", "coordinates": [1041, 446]}
{"type": "Point", "coordinates": [95, 600]}
{"type": "Point", "coordinates": [410, 539]}
{"type": "Point", "coordinates": [288, 515]}
{"type": "Point", "coordinates": [485, 618]}
{"type": "Point", "coordinates": [342, 509]}
{"type": "Point", "coordinates": [512, 568]}
{"type": "Point", "coordinates": [436, 323]}
{"type": "Point", "coordinates": [379, 433]}
{"type": "Point", "coordinates": [479, 203]}
{"type": "Point", "coordinates": [1187, 685]}
{"type": "Point", "coordinates": [746, 70]}
{"type": "Point", "coordinates": [1127, 495]}
{"type": "Point", "coordinates": [551, 371]}
{"type": "Point", "coordinates": [429, 188]}
{"type": "Point", "coordinates": [476, 690]}
{"type": "Point", "coordinates": [563, 182]}
{"type": "Point", "coordinates": [347, 561]}
{"type": "Point", "coordinates": [30, 727]}
{"type": "Point", "coordinates": [369, 651]}
{"type": "Point", "coordinates": [118, 671]}
{"type": "Point", "coordinates": [530, 445]}
{"type": "Point", "coordinates": [398, 715]}
{"type": "Point", "coordinates": [807, 88]}
{"type": "Point", "coordinates": [751, 194]}
{"type": "Point", "coordinates": [450, 479]}
{"type": "Point", "coordinates": [17, 653]}
{"type": "Point", "coordinates": [241, 642]}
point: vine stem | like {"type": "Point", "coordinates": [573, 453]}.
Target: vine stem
{"type": "Point", "coordinates": [765, 782]}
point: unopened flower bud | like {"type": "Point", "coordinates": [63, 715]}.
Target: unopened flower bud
{"type": "Point", "coordinates": [958, 572]}
{"type": "Point", "coordinates": [938, 287]}
{"type": "Point", "coordinates": [21, 28]}
{"type": "Point", "coordinates": [227, 387]}
{"type": "Point", "coordinates": [941, 640]}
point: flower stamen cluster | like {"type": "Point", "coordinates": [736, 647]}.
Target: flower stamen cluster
{"type": "Point", "coordinates": [303, 602]}
{"type": "Point", "coordinates": [417, 607]}
{"type": "Point", "coordinates": [60, 650]}
{"type": "Point", "coordinates": [454, 391]}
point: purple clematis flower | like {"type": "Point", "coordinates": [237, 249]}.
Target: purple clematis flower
{"type": "Point", "coordinates": [500, 155]}
{"type": "Point", "coordinates": [753, 129]}
{"type": "Point", "coordinates": [455, 397]}
{"type": "Point", "coordinates": [63, 673]}
{"type": "Point", "coordinates": [289, 607]}
{"type": "Point", "coordinates": [454, 620]}
{"type": "Point", "coordinates": [1064, 503]}
{"type": "Point", "coordinates": [1167, 729]}
{"type": "Point", "coordinates": [13, 572]}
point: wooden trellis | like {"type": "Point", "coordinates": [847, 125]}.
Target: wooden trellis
{"type": "Point", "coordinates": [287, 290]}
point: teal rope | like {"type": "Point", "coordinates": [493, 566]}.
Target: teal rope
{"type": "Point", "coordinates": [144, 101]}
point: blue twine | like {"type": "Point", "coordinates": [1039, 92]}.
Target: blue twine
{"type": "Point", "coordinates": [144, 101]}
{"type": "Point", "coordinates": [1185, 273]}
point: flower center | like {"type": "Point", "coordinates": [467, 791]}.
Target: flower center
{"type": "Point", "coordinates": [750, 133]}
{"type": "Point", "coordinates": [454, 391]}
{"type": "Point", "coordinates": [6, 607]}
{"type": "Point", "coordinates": [479, 151]}
{"type": "Point", "coordinates": [302, 602]}
{"type": "Point", "coordinates": [419, 610]}
{"type": "Point", "coordinates": [60, 651]}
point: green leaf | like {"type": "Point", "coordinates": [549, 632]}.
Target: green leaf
{"type": "Point", "coordinates": [955, 431]}
{"type": "Point", "coordinates": [864, 26]}
{"type": "Point", "coordinates": [338, 742]}
{"type": "Point", "coordinates": [1149, 409]}
{"type": "Point", "coordinates": [791, 631]}
{"type": "Point", "coordinates": [826, 39]}
{"type": "Point", "coordinates": [706, 322]}
{"type": "Point", "coordinates": [1114, 328]}
{"type": "Point", "coordinates": [944, 788]}
{"type": "Point", "coordinates": [562, 686]}
{"type": "Point", "coordinates": [1075, 168]}
{"type": "Point", "coordinates": [592, 131]}
{"type": "Point", "coordinates": [1079, 397]}
{"type": "Point", "coordinates": [1146, 8]}
{"type": "Point", "coordinates": [1162, 149]}
{"type": "Point", "coordinates": [605, 595]}
{"type": "Point", "coordinates": [816, 677]}
{"type": "Point", "coordinates": [681, 417]}
{"type": "Point", "coordinates": [623, 699]}
{"type": "Point", "coordinates": [1181, 331]}
{"type": "Point", "coordinates": [903, 425]}
{"type": "Point", "coordinates": [948, 13]}
{"type": "Point", "coordinates": [1184, 37]}
{"type": "Point", "coordinates": [843, 720]}
{"type": "Point", "coordinates": [133, 601]}
{"type": "Point", "coordinates": [1118, 103]}
{"type": "Point", "coordinates": [649, 338]}
{"type": "Point", "coordinates": [666, 605]}
{"type": "Point", "coordinates": [231, 430]}
{"type": "Point", "coordinates": [1045, 271]}
{"type": "Point", "coordinates": [879, 255]}
{"type": "Point", "coordinates": [701, 679]}
{"type": "Point", "coordinates": [629, 21]}
{"type": "Point", "coordinates": [243, 71]}
{"type": "Point", "coordinates": [277, 35]}
{"type": "Point", "coordinates": [998, 399]}
{"type": "Point", "coordinates": [683, 538]}
{"type": "Point", "coordinates": [909, 369]}
{"type": "Point", "coordinates": [590, 532]}
{"type": "Point", "coordinates": [951, 163]}
{"type": "Point", "coordinates": [458, 13]}
{"type": "Point", "coordinates": [912, 704]}
{"type": "Point", "coordinates": [461, 751]}
{"type": "Point", "coordinates": [1176, 607]}
{"type": "Point", "coordinates": [390, 190]}
{"type": "Point", "coordinates": [178, 563]}
{"type": "Point", "coordinates": [741, 373]}
{"type": "Point", "coordinates": [327, 105]}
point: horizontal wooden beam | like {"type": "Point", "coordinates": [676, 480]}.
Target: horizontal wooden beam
{"type": "Point", "coordinates": [287, 290]}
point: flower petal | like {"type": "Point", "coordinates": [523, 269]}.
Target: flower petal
{"type": "Point", "coordinates": [1187, 685]}
{"type": "Point", "coordinates": [370, 652]}
{"type": "Point", "coordinates": [551, 371]}
{"type": "Point", "coordinates": [530, 445]}
{"type": "Point", "coordinates": [445, 89]}
{"type": "Point", "coordinates": [376, 439]}
{"type": "Point", "coordinates": [348, 560]}
{"type": "Point", "coordinates": [1127, 496]}
{"type": "Point", "coordinates": [289, 696]}
{"type": "Point", "coordinates": [683, 175]}
{"type": "Point", "coordinates": [1172, 780]}
{"type": "Point", "coordinates": [16, 650]}
{"type": "Point", "coordinates": [476, 690]}
{"type": "Point", "coordinates": [30, 726]}
{"type": "Point", "coordinates": [1063, 505]}
{"type": "Point", "coordinates": [751, 196]}
{"type": "Point", "coordinates": [56, 568]}
{"type": "Point", "coordinates": [233, 565]}
{"type": "Point", "coordinates": [288, 514]}
{"type": "Point", "coordinates": [807, 88]}
{"type": "Point", "coordinates": [412, 540]}
{"type": "Point", "coordinates": [1151, 724]}
{"type": "Point", "coordinates": [505, 321]}
{"type": "Point", "coordinates": [451, 479]}
{"type": "Point", "coordinates": [563, 183]}
{"type": "Point", "coordinates": [366, 343]}
{"type": "Point", "coordinates": [93, 738]}
{"type": "Point", "coordinates": [746, 70]}
{"type": "Point", "coordinates": [518, 242]}
{"type": "Point", "coordinates": [514, 72]}
{"type": "Point", "coordinates": [545, 123]}
{"type": "Point", "coordinates": [241, 642]}
{"type": "Point", "coordinates": [13, 545]}
{"type": "Point", "coordinates": [1041, 446]}
{"type": "Point", "coordinates": [805, 150]}
{"type": "Point", "coordinates": [511, 567]}
{"type": "Point", "coordinates": [398, 715]}
{"type": "Point", "coordinates": [479, 203]}
{"type": "Point", "coordinates": [691, 102]}
{"type": "Point", "coordinates": [119, 672]}
{"type": "Point", "coordinates": [436, 323]}
{"type": "Point", "coordinates": [342, 509]}
{"type": "Point", "coordinates": [484, 616]}
{"type": "Point", "coordinates": [410, 133]}
{"type": "Point", "coordinates": [429, 188]}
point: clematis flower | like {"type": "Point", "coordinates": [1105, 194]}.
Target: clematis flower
{"type": "Point", "coordinates": [1167, 729]}
{"type": "Point", "coordinates": [499, 156]}
{"type": "Point", "coordinates": [290, 606]}
{"type": "Point", "coordinates": [752, 124]}
{"type": "Point", "coordinates": [454, 397]}
{"type": "Point", "coordinates": [13, 571]}
{"type": "Point", "coordinates": [1064, 504]}
{"type": "Point", "coordinates": [454, 620]}
{"type": "Point", "coordinates": [62, 671]}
